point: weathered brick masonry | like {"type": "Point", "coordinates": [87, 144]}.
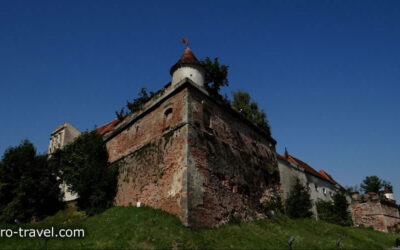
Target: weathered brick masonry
{"type": "Point", "coordinates": [190, 155]}
{"type": "Point", "coordinates": [372, 211]}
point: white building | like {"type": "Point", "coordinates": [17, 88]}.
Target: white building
{"type": "Point", "coordinates": [320, 184]}
{"type": "Point", "coordinates": [60, 137]}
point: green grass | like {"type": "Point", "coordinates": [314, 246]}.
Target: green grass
{"type": "Point", "coordinates": [131, 227]}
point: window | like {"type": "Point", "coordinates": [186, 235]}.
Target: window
{"type": "Point", "coordinates": [167, 119]}
{"type": "Point", "coordinates": [207, 119]}
{"type": "Point", "coordinates": [168, 112]}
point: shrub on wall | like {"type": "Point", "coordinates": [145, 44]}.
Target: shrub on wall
{"type": "Point", "coordinates": [135, 105]}
{"type": "Point", "coordinates": [325, 211]}
{"type": "Point", "coordinates": [298, 203]}
{"type": "Point", "coordinates": [243, 104]}
{"type": "Point", "coordinates": [84, 167]}
{"type": "Point", "coordinates": [216, 75]}
{"type": "Point", "coordinates": [29, 188]}
{"type": "Point", "coordinates": [275, 205]}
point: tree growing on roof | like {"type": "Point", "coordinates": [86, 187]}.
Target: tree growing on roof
{"type": "Point", "coordinates": [298, 203]}
{"type": "Point", "coordinates": [241, 103]}
{"type": "Point", "coordinates": [352, 189]}
{"type": "Point", "coordinates": [136, 104]}
{"type": "Point", "coordinates": [375, 184]}
{"type": "Point", "coordinates": [216, 75]}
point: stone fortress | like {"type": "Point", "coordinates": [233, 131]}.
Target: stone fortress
{"type": "Point", "coordinates": [191, 155]}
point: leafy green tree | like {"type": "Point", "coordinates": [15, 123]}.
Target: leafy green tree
{"type": "Point", "coordinates": [326, 211]}
{"type": "Point", "coordinates": [375, 184]}
{"type": "Point", "coordinates": [335, 212]}
{"type": "Point", "coordinates": [341, 207]}
{"type": "Point", "coordinates": [29, 187]}
{"type": "Point", "coordinates": [298, 203]}
{"type": "Point", "coordinates": [136, 104]}
{"type": "Point", "coordinates": [352, 189]}
{"type": "Point", "coordinates": [387, 185]}
{"type": "Point", "coordinates": [242, 103]}
{"type": "Point", "coordinates": [84, 167]}
{"type": "Point", "coordinates": [216, 75]}
{"type": "Point", "coordinates": [372, 184]}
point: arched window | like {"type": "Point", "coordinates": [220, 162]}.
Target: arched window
{"type": "Point", "coordinates": [168, 112]}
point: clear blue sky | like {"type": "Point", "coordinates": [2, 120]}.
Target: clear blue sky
{"type": "Point", "coordinates": [326, 72]}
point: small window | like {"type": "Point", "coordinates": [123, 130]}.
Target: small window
{"type": "Point", "coordinates": [168, 112]}
{"type": "Point", "coordinates": [167, 119]}
{"type": "Point", "coordinates": [324, 190]}
{"type": "Point", "coordinates": [207, 119]}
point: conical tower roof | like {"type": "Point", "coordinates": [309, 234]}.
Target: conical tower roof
{"type": "Point", "coordinates": [188, 58]}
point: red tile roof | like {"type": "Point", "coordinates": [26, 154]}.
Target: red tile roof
{"type": "Point", "coordinates": [107, 127]}
{"type": "Point", "coordinates": [327, 176]}
{"type": "Point", "coordinates": [187, 58]}
{"type": "Point", "coordinates": [307, 168]}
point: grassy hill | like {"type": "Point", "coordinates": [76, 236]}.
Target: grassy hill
{"type": "Point", "coordinates": [131, 227]}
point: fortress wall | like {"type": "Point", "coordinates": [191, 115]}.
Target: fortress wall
{"type": "Point", "coordinates": [148, 128]}
{"type": "Point", "coordinates": [392, 217]}
{"type": "Point", "coordinates": [201, 162]}
{"type": "Point", "coordinates": [232, 168]}
{"type": "Point", "coordinates": [153, 167]}
{"type": "Point", "coordinates": [370, 211]}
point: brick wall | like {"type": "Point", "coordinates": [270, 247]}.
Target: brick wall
{"type": "Point", "coordinates": [235, 167]}
{"type": "Point", "coordinates": [194, 158]}
{"type": "Point", "coordinates": [371, 211]}
{"type": "Point", "coordinates": [153, 162]}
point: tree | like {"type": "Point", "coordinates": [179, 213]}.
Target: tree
{"type": "Point", "coordinates": [371, 184]}
{"type": "Point", "coordinates": [352, 189]}
{"type": "Point", "coordinates": [216, 75]}
{"type": "Point", "coordinates": [335, 212]}
{"type": "Point", "coordinates": [242, 103]}
{"type": "Point", "coordinates": [29, 187]}
{"type": "Point", "coordinates": [325, 210]}
{"type": "Point", "coordinates": [341, 209]}
{"type": "Point", "coordinates": [298, 203]}
{"type": "Point", "coordinates": [84, 167]}
{"type": "Point", "coordinates": [387, 185]}
{"type": "Point", "coordinates": [375, 184]}
{"type": "Point", "coordinates": [136, 104]}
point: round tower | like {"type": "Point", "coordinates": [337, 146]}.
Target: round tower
{"type": "Point", "coordinates": [188, 66]}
